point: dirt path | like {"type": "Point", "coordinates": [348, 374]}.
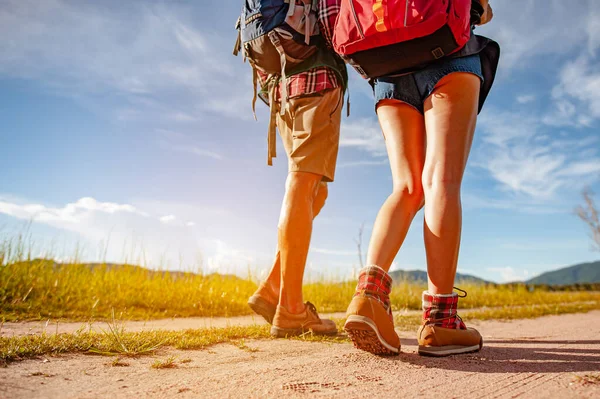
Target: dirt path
{"type": "Point", "coordinates": [175, 324]}
{"type": "Point", "coordinates": [539, 358]}
{"type": "Point", "coordinates": [10, 329]}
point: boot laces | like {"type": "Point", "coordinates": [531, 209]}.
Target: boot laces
{"type": "Point", "coordinates": [312, 308]}
{"type": "Point", "coordinates": [462, 291]}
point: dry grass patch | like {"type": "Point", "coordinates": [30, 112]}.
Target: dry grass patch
{"type": "Point", "coordinates": [587, 379]}
{"type": "Point", "coordinates": [168, 363]}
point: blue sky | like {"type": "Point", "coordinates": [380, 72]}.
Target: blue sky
{"type": "Point", "coordinates": [126, 134]}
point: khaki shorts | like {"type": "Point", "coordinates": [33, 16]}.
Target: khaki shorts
{"type": "Point", "coordinates": [310, 131]}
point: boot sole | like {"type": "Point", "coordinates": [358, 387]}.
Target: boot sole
{"type": "Point", "coordinates": [447, 350]}
{"type": "Point", "coordinates": [262, 308]}
{"type": "Point", "coordinates": [365, 336]}
{"type": "Point", "coordinates": [294, 332]}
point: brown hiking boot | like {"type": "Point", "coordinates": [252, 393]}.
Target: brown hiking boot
{"type": "Point", "coordinates": [369, 323]}
{"type": "Point", "coordinates": [440, 341]}
{"type": "Point", "coordinates": [443, 332]}
{"type": "Point", "coordinates": [263, 303]}
{"type": "Point", "coordinates": [286, 324]}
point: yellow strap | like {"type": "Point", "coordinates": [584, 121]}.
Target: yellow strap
{"type": "Point", "coordinates": [379, 11]}
{"type": "Point", "coordinates": [271, 135]}
{"type": "Point", "coordinates": [238, 44]}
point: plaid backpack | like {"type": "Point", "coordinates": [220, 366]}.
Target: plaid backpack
{"type": "Point", "coordinates": [277, 36]}
{"type": "Point", "coordinates": [383, 37]}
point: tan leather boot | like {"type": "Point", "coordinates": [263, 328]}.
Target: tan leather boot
{"type": "Point", "coordinates": [262, 307]}
{"type": "Point", "coordinates": [440, 341]}
{"type": "Point", "coordinates": [443, 332]}
{"type": "Point", "coordinates": [263, 303]}
{"type": "Point", "coordinates": [369, 322]}
{"type": "Point", "coordinates": [370, 326]}
{"type": "Point", "coordinates": [286, 324]}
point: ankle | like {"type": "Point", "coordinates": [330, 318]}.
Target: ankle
{"type": "Point", "coordinates": [293, 308]}
{"type": "Point", "coordinates": [442, 310]}
{"type": "Point", "coordinates": [267, 291]}
{"type": "Point", "coordinates": [375, 282]}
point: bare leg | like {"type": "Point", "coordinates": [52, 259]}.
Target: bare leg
{"type": "Point", "coordinates": [294, 233]}
{"type": "Point", "coordinates": [270, 287]}
{"type": "Point", "coordinates": [404, 131]}
{"type": "Point", "coordinates": [450, 118]}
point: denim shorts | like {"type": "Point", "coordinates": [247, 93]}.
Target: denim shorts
{"type": "Point", "coordinates": [415, 87]}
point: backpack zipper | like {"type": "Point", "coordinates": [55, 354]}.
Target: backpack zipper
{"type": "Point", "coordinates": [406, 13]}
{"type": "Point", "coordinates": [360, 31]}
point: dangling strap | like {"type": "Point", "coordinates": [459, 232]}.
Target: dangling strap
{"type": "Point", "coordinates": [284, 93]}
{"type": "Point", "coordinates": [292, 8]}
{"type": "Point", "coordinates": [348, 103]}
{"type": "Point", "coordinates": [238, 42]}
{"type": "Point", "coordinates": [307, 27]}
{"type": "Point", "coordinates": [254, 84]}
{"type": "Point", "coordinates": [271, 135]}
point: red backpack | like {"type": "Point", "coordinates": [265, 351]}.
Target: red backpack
{"type": "Point", "coordinates": [383, 37]}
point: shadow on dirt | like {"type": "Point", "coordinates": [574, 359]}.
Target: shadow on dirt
{"type": "Point", "coordinates": [516, 356]}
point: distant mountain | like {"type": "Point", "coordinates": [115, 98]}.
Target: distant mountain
{"type": "Point", "coordinates": [420, 276]}
{"type": "Point", "coordinates": [578, 274]}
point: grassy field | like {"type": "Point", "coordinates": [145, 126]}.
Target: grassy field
{"type": "Point", "coordinates": [42, 289]}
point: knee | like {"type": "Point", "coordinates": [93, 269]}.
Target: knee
{"type": "Point", "coordinates": [320, 198]}
{"type": "Point", "coordinates": [302, 186]}
{"type": "Point", "coordinates": [441, 181]}
{"type": "Point", "coordinates": [409, 191]}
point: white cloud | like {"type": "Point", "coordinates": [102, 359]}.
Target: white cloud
{"type": "Point", "coordinates": [152, 56]}
{"type": "Point", "coordinates": [510, 274]}
{"type": "Point", "coordinates": [379, 162]}
{"type": "Point", "coordinates": [325, 251]}
{"type": "Point", "coordinates": [364, 134]}
{"type": "Point", "coordinates": [593, 28]}
{"type": "Point", "coordinates": [513, 203]}
{"type": "Point", "coordinates": [529, 30]}
{"type": "Point", "coordinates": [577, 95]}
{"type": "Point", "coordinates": [138, 233]}
{"type": "Point", "coordinates": [517, 153]}
{"type": "Point", "coordinates": [194, 150]}
{"type": "Point", "coordinates": [167, 219]}
{"type": "Point", "coordinates": [73, 213]}
{"type": "Point", "coordinates": [525, 98]}
{"type": "Point", "coordinates": [226, 259]}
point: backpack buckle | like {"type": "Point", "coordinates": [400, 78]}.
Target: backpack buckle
{"type": "Point", "coordinates": [437, 53]}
